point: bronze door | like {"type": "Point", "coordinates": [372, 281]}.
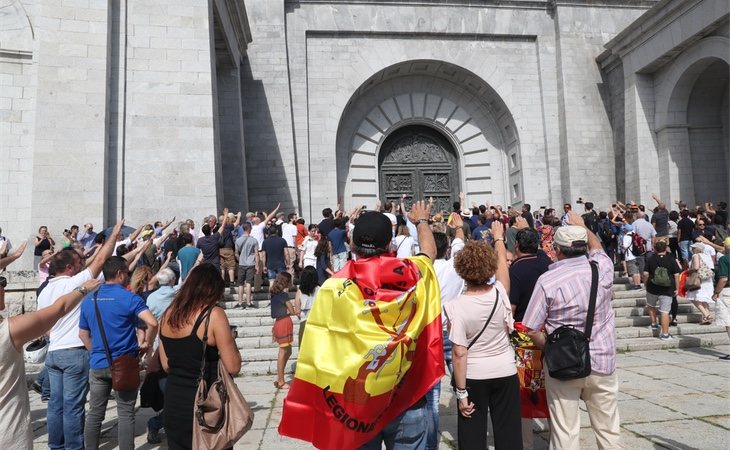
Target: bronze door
{"type": "Point", "coordinates": [419, 162]}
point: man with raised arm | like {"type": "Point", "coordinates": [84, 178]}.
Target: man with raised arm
{"type": "Point", "coordinates": [384, 313]}
{"type": "Point", "coordinates": [68, 360]}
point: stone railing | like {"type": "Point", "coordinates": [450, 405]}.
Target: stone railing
{"type": "Point", "coordinates": [20, 292]}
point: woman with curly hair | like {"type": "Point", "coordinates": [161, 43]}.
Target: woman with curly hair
{"type": "Point", "coordinates": [480, 321]}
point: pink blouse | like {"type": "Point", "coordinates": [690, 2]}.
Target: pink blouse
{"type": "Point", "coordinates": [491, 356]}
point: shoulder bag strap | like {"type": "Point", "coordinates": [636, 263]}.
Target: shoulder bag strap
{"type": "Point", "coordinates": [487, 322]}
{"type": "Point", "coordinates": [205, 345]}
{"type": "Point", "coordinates": [592, 301]}
{"type": "Point", "coordinates": [101, 330]}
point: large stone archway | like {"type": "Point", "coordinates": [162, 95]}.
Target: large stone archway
{"type": "Point", "coordinates": [692, 123]}
{"type": "Point", "coordinates": [461, 107]}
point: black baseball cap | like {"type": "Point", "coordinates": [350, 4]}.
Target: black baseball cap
{"type": "Point", "coordinates": [373, 230]}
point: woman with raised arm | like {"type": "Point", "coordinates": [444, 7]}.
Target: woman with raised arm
{"type": "Point", "coordinates": [480, 322]}
{"type": "Point", "coordinates": [15, 332]}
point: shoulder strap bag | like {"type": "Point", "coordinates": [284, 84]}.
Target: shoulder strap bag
{"type": "Point", "coordinates": [476, 338]}
{"type": "Point", "coordinates": [125, 368]}
{"type": "Point", "coordinates": [221, 415]}
{"type": "Point", "coordinates": [567, 350]}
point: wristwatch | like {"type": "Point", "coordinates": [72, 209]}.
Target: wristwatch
{"type": "Point", "coordinates": [82, 289]}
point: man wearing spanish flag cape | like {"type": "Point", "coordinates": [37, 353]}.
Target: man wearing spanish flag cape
{"type": "Point", "coordinates": [372, 348]}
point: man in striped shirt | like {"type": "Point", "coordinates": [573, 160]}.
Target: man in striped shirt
{"type": "Point", "coordinates": [561, 297]}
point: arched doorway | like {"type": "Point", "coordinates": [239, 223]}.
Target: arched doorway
{"type": "Point", "coordinates": [418, 162]}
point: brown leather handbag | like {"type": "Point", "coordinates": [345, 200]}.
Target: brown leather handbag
{"type": "Point", "coordinates": [125, 368]}
{"type": "Point", "coordinates": [221, 415]}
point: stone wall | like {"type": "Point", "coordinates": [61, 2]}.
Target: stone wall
{"type": "Point", "coordinates": [169, 146]}
{"type": "Point", "coordinates": [588, 162]}
{"type": "Point", "coordinates": [270, 147]}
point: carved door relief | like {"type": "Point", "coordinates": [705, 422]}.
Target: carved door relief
{"type": "Point", "coordinates": [419, 162]}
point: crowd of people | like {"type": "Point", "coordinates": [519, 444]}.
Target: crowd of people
{"type": "Point", "coordinates": [146, 292]}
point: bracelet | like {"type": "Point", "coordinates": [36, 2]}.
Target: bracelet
{"type": "Point", "coordinates": [82, 289]}
{"type": "Point", "coordinates": [461, 394]}
{"type": "Point", "coordinates": [421, 221]}
{"type": "Point", "coordinates": [498, 239]}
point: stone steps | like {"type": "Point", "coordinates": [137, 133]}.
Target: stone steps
{"type": "Point", "coordinates": [259, 353]}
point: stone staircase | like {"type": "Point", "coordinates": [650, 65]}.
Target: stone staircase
{"type": "Point", "coordinates": [259, 352]}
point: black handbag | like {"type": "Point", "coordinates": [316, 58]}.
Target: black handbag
{"type": "Point", "coordinates": [494, 308]}
{"type": "Point", "coordinates": [567, 350]}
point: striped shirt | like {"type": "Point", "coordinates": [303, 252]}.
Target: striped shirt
{"type": "Point", "coordinates": [561, 297]}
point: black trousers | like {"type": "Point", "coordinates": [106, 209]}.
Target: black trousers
{"type": "Point", "coordinates": [501, 398]}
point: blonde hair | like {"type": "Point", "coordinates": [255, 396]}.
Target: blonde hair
{"type": "Point", "coordinates": [140, 279]}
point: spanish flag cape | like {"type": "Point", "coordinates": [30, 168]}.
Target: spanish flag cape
{"type": "Point", "coordinates": [373, 346]}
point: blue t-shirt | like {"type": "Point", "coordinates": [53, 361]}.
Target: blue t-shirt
{"type": "Point", "coordinates": [119, 309]}
{"type": "Point", "coordinates": [337, 237]}
{"type": "Point", "coordinates": [187, 256]}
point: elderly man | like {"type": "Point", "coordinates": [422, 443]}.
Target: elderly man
{"type": "Point", "coordinates": [561, 297]}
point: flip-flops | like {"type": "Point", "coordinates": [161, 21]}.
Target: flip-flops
{"type": "Point", "coordinates": [278, 385]}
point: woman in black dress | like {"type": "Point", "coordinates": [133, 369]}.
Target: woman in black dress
{"type": "Point", "coordinates": [43, 241]}
{"type": "Point", "coordinates": [181, 349]}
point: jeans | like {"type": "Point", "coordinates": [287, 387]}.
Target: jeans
{"type": "Point", "coordinates": [100, 385]}
{"type": "Point", "coordinates": [273, 273]}
{"type": "Point", "coordinates": [45, 382]}
{"type": "Point", "coordinates": [447, 352]}
{"type": "Point", "coordinates": [156, 423]}
{"type": "Point", "coordinates": [405, 432]}
{"type": "Point", "coordinates": [684, 250]}
{"type": "Point", "coordinates": [432, 400]}
{"type": "Point", "coordinates": [68, 371]}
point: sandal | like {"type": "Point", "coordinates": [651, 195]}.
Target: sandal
{"type": "Point", "coordinates": [278, 385]}
{"type": "Point", "coordinates": [706, 320]}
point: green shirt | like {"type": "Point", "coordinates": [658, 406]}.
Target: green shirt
{"type": "Point", "coordinates": [723, 268]}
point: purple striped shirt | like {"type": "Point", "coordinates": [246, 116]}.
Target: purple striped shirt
{"type": "Point", "coordinates": [561, 298]}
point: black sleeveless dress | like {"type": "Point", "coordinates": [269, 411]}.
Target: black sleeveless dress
{"type": "Point", "coordinates": [183, 357]}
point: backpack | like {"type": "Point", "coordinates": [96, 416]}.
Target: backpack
{"type": "Point", "coordinates": [638, 244]}
{"type": "Point", "coordinates": [662, 277]}
{"type": "Point", "coordinates": [605, 231]}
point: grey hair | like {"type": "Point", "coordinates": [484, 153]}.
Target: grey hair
{"type": "Point", "coordinates": [572, 252]}
{"type": "Point", "coordinates": [166, 277]}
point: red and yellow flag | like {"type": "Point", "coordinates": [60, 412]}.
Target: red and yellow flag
{"type": "Point", "coordinates": [372, 348]}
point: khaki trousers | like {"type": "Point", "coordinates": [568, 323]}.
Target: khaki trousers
{"type": "Point", "coordinates": [600, 395]}
{"type": "Point", "coordinates": [290, 255]}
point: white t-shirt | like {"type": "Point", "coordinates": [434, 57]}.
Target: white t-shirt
{"type": "Point", "coordinates": [628, 239]}
{"type": "Point", "coordinates": [126, 242]}
{"type": "Point", "coordinates": [289, 232]}
{"type": "Point", "coordinates": [257, 231]}
{"type": "Point", "coordinates": [450, 282]}
{"type": "Point", "coordinates": [307, 302]}
{"type": "Point", "coordinates": [404, 246]}
{"type": "Point", "coordinates": [65, 333]}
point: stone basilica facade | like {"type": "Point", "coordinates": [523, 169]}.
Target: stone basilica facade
{"type": "Point", "coordinates": [146, 109]}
